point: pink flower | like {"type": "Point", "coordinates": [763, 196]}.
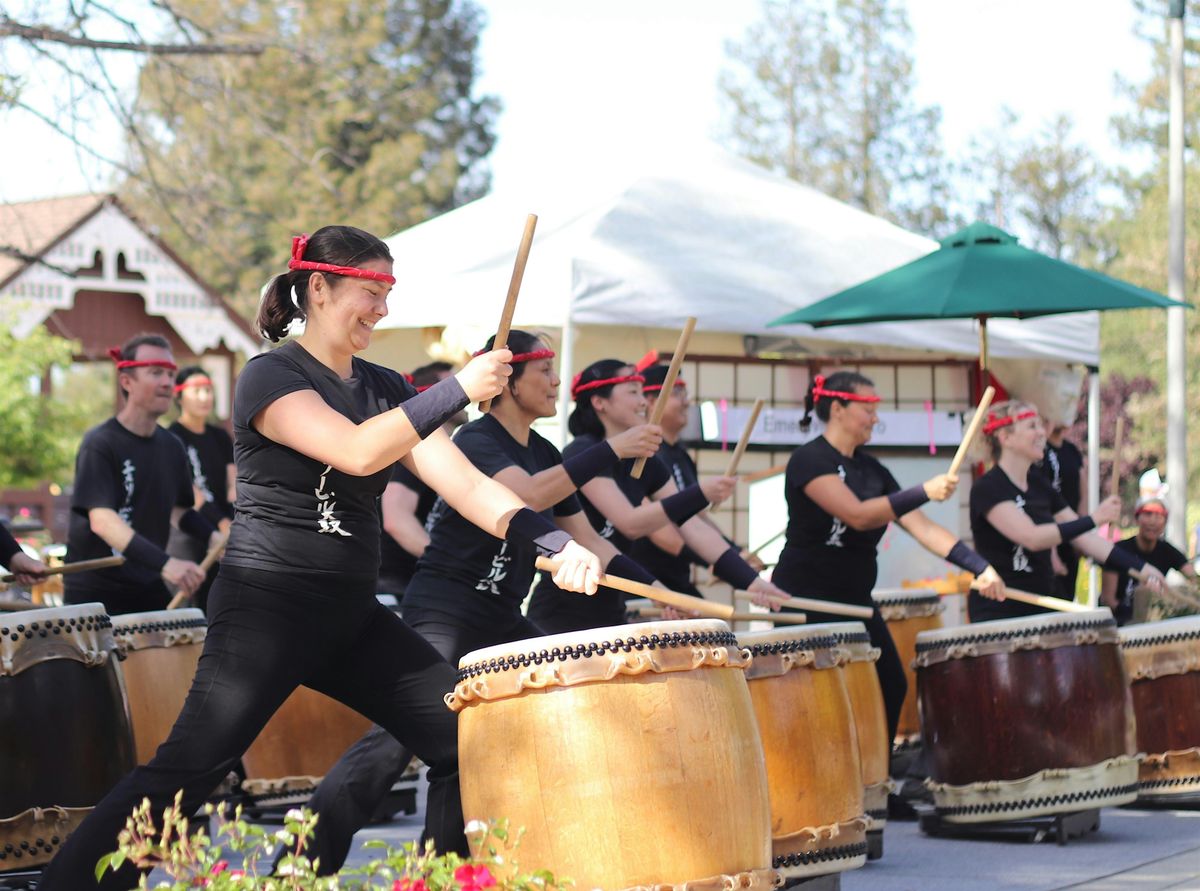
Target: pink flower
{"type": "Point", "coordinates": [219, 867]}
{"type": "Point", "coordinates": [474, 878]}
{"type": "Point", "coordinates": [407, 884]}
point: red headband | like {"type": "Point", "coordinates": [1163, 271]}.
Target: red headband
{"type": "Point", "coordinates": [522, 357]}
{"type": "Point", "coordinates": [994, 423]}
{"type": "Point", "coordinates": [819, 391]}
{"type": "Point", "coordinates": [654, 388]}
{"type": "Point", "coordinates": [122, 364]}
{"type": "Point", "coordinates": [300, 242]}
{"type": "Point", "coordinates": [196, 380]}
{"type": "Point", "coordinates": [1151, 507]}
{"type": "Point", "coordinates": [577, 388]}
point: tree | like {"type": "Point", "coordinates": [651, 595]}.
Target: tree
{"type": "Point", "coordinates": [369, 120]}
{"type": "Point", "coordinates": [821, 91]}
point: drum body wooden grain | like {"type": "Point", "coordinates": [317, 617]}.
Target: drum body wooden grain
{"type": "Point", "coordinates": [160, 652]}
{"type": "Point", "coordinates": [65, 736]}
{"type": "Point", "coordinates": [1163, 661]}
{"type": "Point", "coordinates": [630, 757]}
{"type": "Point", "coordinates": [908, 612]}
{"type": "Point", "coordinates": [814, 771]}
{"type": "Point", "coordinates": [870, 716]}
{"type": "Point", "coordinates": [1025, 717]}
{"type": "Point", "coordinates": [298, 745]}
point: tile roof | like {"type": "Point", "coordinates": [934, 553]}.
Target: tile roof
{"type": "Point", "coordinates": [32, 227]}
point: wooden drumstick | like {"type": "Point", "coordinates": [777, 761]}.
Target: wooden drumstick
{"type": "Point", "coordinates": [1118, 443]}
{"type": "Point", "coordinates": [514, 287]}
{"type": "Point", "coordinates": [660, 404]}
{"type": "Point", "coordinates": [213, 555]}
{"type": "Point", "coordinates": [976, 422]}
{"type": "Point", "coordinates": [77, 566]}
{"type": "Point", "coordinates": [764, 474]}
{"type": "Point", "coordinates": [1054, 603]}
{"type": "Point", "coordinates": [745, 440]}
{"type": "Point", "coordinates": [820, 606]}
{"type": "Point", "coordinates": [778, 618]}
{"type": "Point", "coordinates": [659, 595]}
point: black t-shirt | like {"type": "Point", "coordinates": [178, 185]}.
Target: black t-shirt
{"type": "Point", "coordinates": [141, 478]}
{"type": "Point", "coordinates": [1061, 466]}
{"type": "Point", "coordinates": [1164, 558]}
{"type": "Point", "coordinates": [9, 547]}
{"type": "Point", "coordinates": [1020, 568]}
{"type": "Point", "coordinates": [556, 610]}
{"type": "Point", "coordinates": [673, 570]}
{"type": "Point", "coordinates": [208, 454]}
{"type": "Point", "coordinates": [295, 514]}
{"type": "Point", "coordinates": [396, 565]}
{"type": "Point", "coordinates": [822, 555]}
{"type": "Point", "coordinates": [465, 571]}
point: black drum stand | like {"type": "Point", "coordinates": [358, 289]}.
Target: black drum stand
{"type": "Point", "coordinates": [1061, 827]}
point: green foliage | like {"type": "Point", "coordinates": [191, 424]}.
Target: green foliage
{"type": "Point", "coordinates": [358, 113]}
{"type": "Point", "coordinates": [822, 92]}
{"type": "Point", "coordinates": [38, 436]}
{"type": "Point", "coordinates": [241, 855]}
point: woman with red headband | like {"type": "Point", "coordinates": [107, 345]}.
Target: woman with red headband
{"type": "Point", "coordinates": [210, 455]}
{"type": "Point", "coordinates": [840, 501]}
{"type": "Point", "coordinates": [468, 587]}
{"type": "Point", "coordinates": [317, 431]}
{"type": "Point", "coordinates": [1017, 517]}
{"type": "Point", "coordinates": [609, 401]}
{"type": "Point", "coordinates": [1117, 589]}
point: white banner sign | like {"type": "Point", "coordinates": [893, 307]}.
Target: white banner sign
{"type": "Point", "coordinates": [781, 427]}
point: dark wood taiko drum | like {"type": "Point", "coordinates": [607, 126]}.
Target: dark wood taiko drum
{"type": "Point", "coordinates": [1163, 661]}
{"type": "Point", "coordinates": [1026, 717]}
{"type": "Point", "coordinates": [65, 736]}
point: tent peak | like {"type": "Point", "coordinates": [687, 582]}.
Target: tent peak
{"type": "Point", "coordinates": [978, 233]}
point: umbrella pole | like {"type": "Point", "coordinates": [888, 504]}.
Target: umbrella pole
{"type": "Point", "coordinates": [984, 375]}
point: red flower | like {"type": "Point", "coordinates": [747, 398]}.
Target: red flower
{"type": "Point", "coordinates": [474, 878]}
{"type": "Point", "coordinates": [219, 867]}
{"type": "Point", "coordinates": [407, 884]}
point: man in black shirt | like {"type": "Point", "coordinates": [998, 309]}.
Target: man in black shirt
{"type": "Point", "coordinates": [1063, 467]}
{"type": "Point", "coordinates": [1117, 590]}
{"type": "Point", "coordinates": [132, 482]}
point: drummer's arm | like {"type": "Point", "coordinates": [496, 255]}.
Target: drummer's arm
{"type": "Point", "coordinates": [632, 522]}
{"type": "Point", "coordinates": [835, 498]}
{"type": "Point", "coordinates": [668, 539]}
{"type": "Point", "coordinates": [1108, 589]}
{"type": "Point", "coordinates": [933, 537]}
{"type": "Point", "coordinates": [1015, 525]}
{"type": "Point", "coordinates": [541, 490]}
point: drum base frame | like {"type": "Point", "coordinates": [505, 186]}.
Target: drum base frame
{"type": "Point", "coordinates": [1169, 778]}
{"type": "Point", "coordinates": [1060, 827]}
{"type": "Point", "coordinates": [821, 850]}
{"type": "Point", "coordinates": [20, 880]}
{"type": "Point", "coordinates": [874, 844]}
{"type": "Point", "coordinates": [815, 883]}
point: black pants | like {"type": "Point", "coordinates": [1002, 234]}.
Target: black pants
{"type": "Point", "coordinates": [356, 786]}
{"type": "Point", "coordinates": [267, 634]}
{"type": "Point", "coordinates": [889, 667]}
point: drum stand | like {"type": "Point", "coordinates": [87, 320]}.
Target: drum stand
{"type": "Point", "coordinates": [20, 880]}
{"type": "Point", "coordinates": [1062, 827]}
{"type": "Point", "coordinates": [816, 883]}
{"type": "Point", "coordinates": [874, 844]}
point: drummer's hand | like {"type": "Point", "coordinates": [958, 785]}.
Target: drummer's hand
{"type": "Point", "coordinates": [1109, 511]}
{"type": "Point", "coordinates": [27, 570]}
{"type": "Point", "coordinates": [578, 570]}
{"type": "Point", "coordinates": [1056, 563]}
{"type": "Point", "coordinates": [486, 376]}
{"type": "Point", "coordinates": [1152, 578]}
{"type": "Point", "coordinates": [641, 441]}
{"type": "Point", "coordinates": [217, 538]}
{"type": "Point", "coordinates": [674, 613]}
{"type": "Point", "coordinates": [941, 487]}
{"type": "Point", "coordinates": [183, 574]}
{"type": "Point", "coordinates": [717, 488]}
{"type": "Point", "coordinates": [767, 594]}
{"type": "Point", "coordinates": [989, 584]}
{"type": "Point", "coordinates": [752, 559]}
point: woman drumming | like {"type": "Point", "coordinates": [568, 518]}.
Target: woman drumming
{"type": "Point", "coordinates": [316, 433]}
{"type": "Point", "coordinates": [469, 585]}
{"type": "Point", "coordinates": [609, 401]}
{"type": "Point", "coordinates": [840, 500]}
{"type": "Point", "coordinates": [210, 456]}
{"type": "Point", "coordinates": [1017, 518]}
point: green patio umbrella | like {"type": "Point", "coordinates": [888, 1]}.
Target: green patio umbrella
{"type": "Point", "coordinates": [979, 272]}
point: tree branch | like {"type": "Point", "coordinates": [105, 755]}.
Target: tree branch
{"type": "Point", "coordinates": [10, 28]}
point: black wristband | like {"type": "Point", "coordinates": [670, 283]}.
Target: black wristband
{"type": "Point", "coordinates": [142, 550]}
{"type": "Point", "coordinates": [731, 568]}
{"type": "Point", "coordinates": [622, 566]}
{"type": "Point", "coordinates": [1121, 560]}
{"type": "Point", "coordinates": [684, 504]}
{"type": "Point", "coordinates": [196, 525]}
{"type": "Point", "coordinates": [531, 526]}
{"type": "Point", "coordinates": [964, 558]}
{"type": "Point", "coordinates": [430, 409]}
{"type": "Point", "coordinates": [907, 500]}
{"type": "Point", "coordinates": [590, 463]}
{"type": "Point", "coordinates": [1075, 528]}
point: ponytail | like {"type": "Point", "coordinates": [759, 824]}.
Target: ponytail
{"type": "Point", "coordinates": [277, 311]}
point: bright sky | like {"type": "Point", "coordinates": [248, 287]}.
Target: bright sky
{"type": "Point", "coordinates": [584, 81]}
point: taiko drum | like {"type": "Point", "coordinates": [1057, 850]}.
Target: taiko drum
{"type": "Point", "coordinates": [908, 612]}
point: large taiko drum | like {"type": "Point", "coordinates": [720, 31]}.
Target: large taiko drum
{"type": "Point", "coordinates": [870, 716]}
{"type": "Point", "coordinates": [1026, 717]}
{"type": "Point", "coordinates": [1163, 661]}
{"type": "Point", "coordinates": [629, 756]}
{"type": "Point", "coordinates": [811, 746]}
{"type": "Point", "coordinates": [65, 737]}
{"type": "Point", "coordinates": [908, 612]}
{"type": "Point", "coordinates": [160, 651]}
{"type": "Point", "coordinates": [298, 745]}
